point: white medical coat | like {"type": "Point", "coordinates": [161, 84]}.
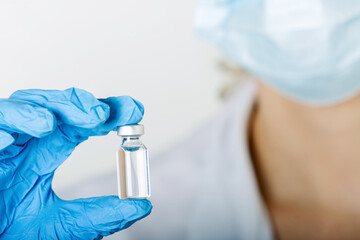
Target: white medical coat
{"type": "Point", "coordinates": [205, 187]}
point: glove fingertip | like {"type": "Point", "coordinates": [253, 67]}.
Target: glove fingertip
{"type": "Point", "coordinates": [96, 112]}
{"type": "Point", "coordinates": [5, 139]}
{"type": "Point", "coordinates": [101, 114]}
{"type": "Point", "coordinates": [137, 209]}
{"type": "Point", "coordinates": [27, 118]}
{"type": "Point", "coordinates": [18, 94]}
{"type": "Point", "coordinates": [46, 124]}
{"type": "Point", "coordinates": [136, 112]}
{"type": "Point", "coordinates": [140, 106]}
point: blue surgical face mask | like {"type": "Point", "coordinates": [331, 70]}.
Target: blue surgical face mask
{"type": "Point", "coordinates": [308, 50]}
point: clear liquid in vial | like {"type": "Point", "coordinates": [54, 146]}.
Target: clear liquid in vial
{"type": "Point", "coordinates": [133, 170]}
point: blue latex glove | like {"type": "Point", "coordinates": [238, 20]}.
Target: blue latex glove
{"type": "Point", "coordinates": [38, 131]}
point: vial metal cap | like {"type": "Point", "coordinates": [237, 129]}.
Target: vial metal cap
{"type": "Point", "coordinates": [131, 130]}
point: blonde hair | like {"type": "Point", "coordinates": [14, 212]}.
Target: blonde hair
{"type": "Point", "coordinates": [237, 76]}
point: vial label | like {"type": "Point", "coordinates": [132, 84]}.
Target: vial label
{"type": "Point", "coordinates": [133, 173]}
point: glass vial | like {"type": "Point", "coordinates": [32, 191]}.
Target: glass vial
{"type": "Point", "coordinates": [132, 164]}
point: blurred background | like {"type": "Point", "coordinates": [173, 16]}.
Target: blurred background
{"type": "Point", "coordinates": [145, 49]}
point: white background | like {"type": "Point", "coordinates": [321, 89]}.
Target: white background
{"type": "Point", "coordinates": [145, 49]}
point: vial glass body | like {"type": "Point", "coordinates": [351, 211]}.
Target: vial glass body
{"type": "Point", "coordinates": [133, 169]}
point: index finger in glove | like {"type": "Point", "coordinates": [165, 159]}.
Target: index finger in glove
{"type": "Point", "coordinates": [73, 106]}
{"type": "Point", "coordinates": [25, 118]}
{"type": "Point", "coordinates": [124, 110]}
{"type": "Point", "coordinates": [83, 114]}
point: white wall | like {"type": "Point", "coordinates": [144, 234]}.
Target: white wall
{"type": "Point", "coordinates": [146, 49]}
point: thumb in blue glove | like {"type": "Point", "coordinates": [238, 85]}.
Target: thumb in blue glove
{"type": "Point", "coordinates": [39, 129]}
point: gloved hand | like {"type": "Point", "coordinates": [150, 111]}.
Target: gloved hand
{"type": "Point", "coordinates": [38, 131]}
